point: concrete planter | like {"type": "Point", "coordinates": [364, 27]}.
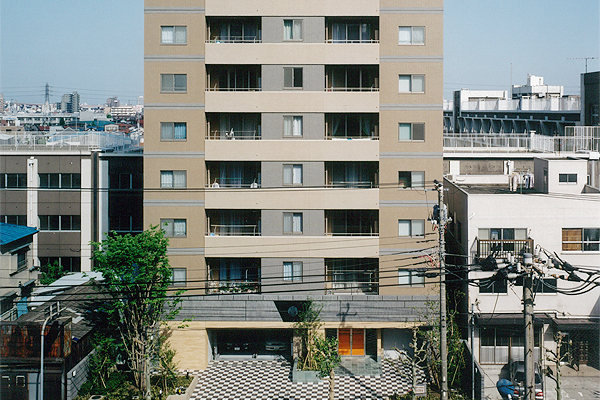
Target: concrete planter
{"type": "Point", "coordinates": [304, 376]}
{"type": "Point", "coordinates": [188, 392]}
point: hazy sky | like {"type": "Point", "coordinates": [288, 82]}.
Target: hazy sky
{"type": "Point", "coordinates": [96, 47]}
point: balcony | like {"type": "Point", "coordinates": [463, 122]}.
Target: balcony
{"type": "Point", "coordinates": [233, 275]}
{"type": "Point", "coordinates": [351, 174]}
{"type": "Point", "coordinates": [352, 275]}
{"type": "Point", "coordinates": [233, 126]}
{"type": "Point", "coordinates": [352, 126]}
{"type": "Point", "coordinates": [234, 30]}
{"type": "Point", "coordinates": [352, 222]}
{"type": "Point", "coordinates": [352, 30]}
{"type": "Point", "coordinates": [502, 247]}
{"type": "Point", "coordinates": [233, 78]}
{"type": "Point", "coordinates": [231, 174]}
{"type": "Point", "coordinates": [352, 78]}
{"type": "Point", "coordinates": [233, 222]}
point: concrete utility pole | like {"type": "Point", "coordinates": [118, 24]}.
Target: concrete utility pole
{"type": "Point", "coordinates": [442, 220]}
{"type": "Point", "coordinates": [529, 332]}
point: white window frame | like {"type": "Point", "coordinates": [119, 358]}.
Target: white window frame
{"type": "Point", "coordinates": [167, 131]}
{"type": "Point", "coordinates": [293, 125]}
{"type": "Point", "coordinates": [411, 126]}
{"type": "Point", "coordinates": [568, 180]}
{"type": "Point", "coordinates": [411, 228]}
{"type": "Point", "coordinates": [178, 35]}
{"type": "Point", "coordinates": [293, 223]}
{"type": "Point", "coordinates": [417, 180]}
{"type": "Point", "coordinates": [168, 226]}
{"type": "Point", "coordinates": [411, 30]}
{"type": "Point", "coordinates": [293, 175]}
{"type": "Point", "coordinates": [169, 84]}
{"type": "Point", "coordinates": [413, 83]}
{"type": "Point", "coordinates": [289, 74]}
{"type": "Point", "coordinates": [177, 281]}
{"type": "Point", "coordinates": [292, 271]}
{"type": "Point", "coordinates": [294, 33]}
{"type": "Point", "coordinates": [168, 179]}
{"type": "Point", "coordinates": [408, 277]}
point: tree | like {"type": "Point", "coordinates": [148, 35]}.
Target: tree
{"type": "Point", "coordinates": [415, 360]}
{"type": "Point", "coordinates": [136, 277]}
{"type": "Point", "coordinates": [52, 272]}
{"type": "Point", "coordinates": [557, 358]}
{"type": "Point", "coordinates": [317, 353]}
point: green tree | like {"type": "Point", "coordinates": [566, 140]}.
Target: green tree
{"type": "Point", "coordinates": [52, 272]}
{"type": "Point", "coordinates": [136, 277]}
{"type": "Point", "coordinates": [317, 353]}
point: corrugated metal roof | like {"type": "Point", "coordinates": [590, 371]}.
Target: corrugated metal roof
{"type": "Point", "coordinates": [10, 233]}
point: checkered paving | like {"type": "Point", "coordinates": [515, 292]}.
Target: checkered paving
{"type": "Point", "coordinates": [271, 380]}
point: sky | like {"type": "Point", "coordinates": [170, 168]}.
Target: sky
{"type": "Point", "coordinates": [96, 47]}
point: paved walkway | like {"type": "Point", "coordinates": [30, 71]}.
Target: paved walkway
{"type": "Point", "coordinates": [271, 380]}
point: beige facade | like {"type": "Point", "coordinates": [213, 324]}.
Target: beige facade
{"type": "Point", "coordinates": [288, 150]}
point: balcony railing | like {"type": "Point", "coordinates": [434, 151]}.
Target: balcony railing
{"type": "Point", "coordinates": [235, 39]}
{"type": "Point", "coordinates": [352, 41]}
{"type": "Point", "coordinates": [74, 141]}
{"type": "Point", "coordinates": [353, 184]}
{"type": "Point", "coordinates": [352, 234]}
{"type": "Point", "coordinates": [353, 287]}
{"type": "Point", "coordinates": [234, 230]}
{"type": "Point", "coordinates": [518, 142]}
{"type": "Point", "coordinates": [352, 89]}
{"type": "Point", "coordinates": [233, 135]}
{"type": "Point", "coordinates": [10, 315]}
{"type": "Point", "coordinates": [501, 248]}
{"type": "Point", "coordinates": [234, 89]}
{"type": "Point", "coordinates": [226, 287]}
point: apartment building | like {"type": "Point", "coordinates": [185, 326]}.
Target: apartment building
{"type": "Point", "coordinates": [288, 146]}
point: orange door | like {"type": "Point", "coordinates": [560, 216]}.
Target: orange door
{"type": "Point", "coordinates": [358, 342]}
{"type": "Point", "coordinates": [344, 347]}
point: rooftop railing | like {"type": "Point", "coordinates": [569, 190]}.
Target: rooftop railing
{"type": "Point", "coordinates": [86, 140]}
{"type": "Point", "coordinates": [521, 142]}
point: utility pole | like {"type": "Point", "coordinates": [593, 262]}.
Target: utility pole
{"type": "Point", "coordinates": [52, 314]}
{"type": "Point", "coordinates": [529, 384]}
{"type": "Point", "coordinates": [442, 220]}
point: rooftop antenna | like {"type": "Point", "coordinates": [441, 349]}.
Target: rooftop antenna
{"type": "Point", "coordinates": [584, 58]}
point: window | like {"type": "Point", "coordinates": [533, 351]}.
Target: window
{"type": "Point", "coordinates": [170, 131]}
{"type": "Point", "coordinates": [292, 29]}
{"type": "Point", "coordinates": [351, 33]}
{"type": "Point", "coordinates": [414, 131]}
{"type": "Point", "coordinates": [411, 35]}
{"type": "Point", "coordinates": [174, 227]}
{"type": "Point", "coordinates": [581, 239]}
{"type": "Point", "coordinates": [173, 35]}
{"type": "Point", "coordinates": [292, 126]}
{"type": "Point", "coordinates": [60, 181]}
{"type": "Point", "coordinates": [14, 219]}
{"type": "Point", "coordinates": [502, 234]}
{"type": "Point", "coordinates": [178, 276]}
{"type": "Point", "coordinates": [60, 222]}
{"type": "Point", "coordinates": [567, 178]}
{"type": "Point", "coordinates": [292, 222]}
{"type": "Point", "coordinates": [292, 271]}
{"type": "Point", "coordinates": [173, 179]}
{"type": "Point", "coordinates": [173, 83]}
{"type": "Point", "coordinates": [13, 181]}
{"type": "Point", "coordinates": [411, 278]}
{"type": "Point", "coordinates": [411, 83]}
{"type": "Point", "coordinates": [411, 227]}
{"type": "Point", "coordinates": [292, 174]}
{"type": "Point", "coordinates": [71, 264]}
{"type": "Point", "coordinates": [292, 77]}
{"type": "Point", "coordinates": [411, 179]}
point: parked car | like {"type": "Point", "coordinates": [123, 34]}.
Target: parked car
{"type": "Point", "coordinates": [276, 346]}
{"type": "Point", "coordinates": [238, 347]}
{"type": "Point", "coordinates": [517, 377]}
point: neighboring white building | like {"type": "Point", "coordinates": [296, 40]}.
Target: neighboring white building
{"type": "Point", "coordinates": [560, 213]}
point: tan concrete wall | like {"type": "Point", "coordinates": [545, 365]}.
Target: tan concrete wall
{"type": "Point", "coordinates": [190, 344]}
{"type": "Point", "coordinates": [294, 54]}
{"type": "Point", "coordinates": [196, 78]}
{"type": "Point", "coordinates": [293, 199]}
{"type": "Point", "coordinates": [304, 8]}
{"type": "Point", "coordinates": [295, 245]}
{"type": "Point", "coordinates": [297, 150]}
{"type": "Point", "coordinates": [196, 34]}
{"type": "Point", "coordinates": [292, 101]}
